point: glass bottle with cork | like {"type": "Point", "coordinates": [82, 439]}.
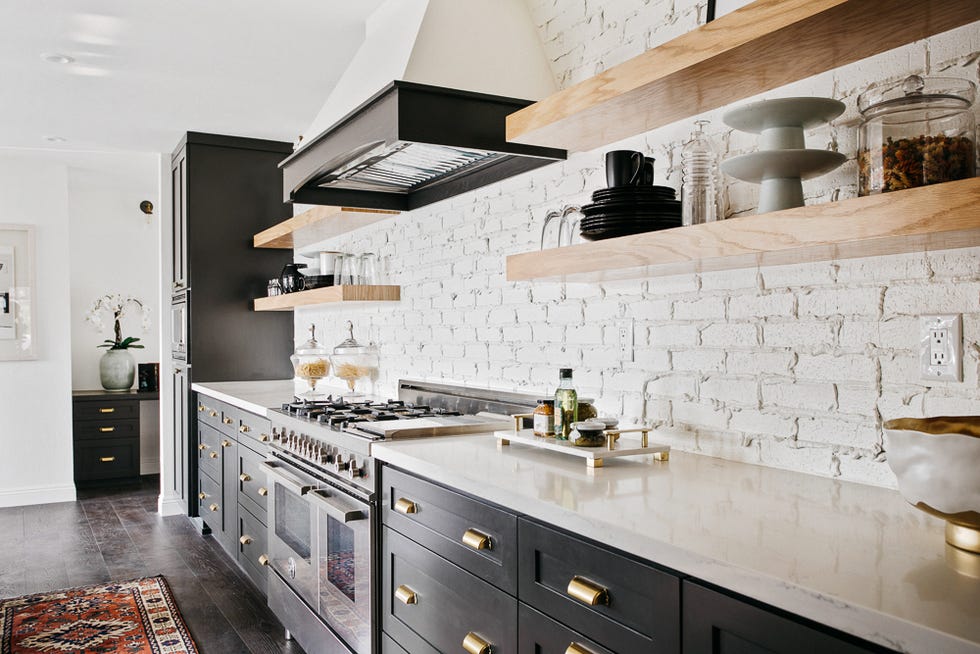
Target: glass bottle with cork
{"type": "Point", "coordinates": [566, 405]}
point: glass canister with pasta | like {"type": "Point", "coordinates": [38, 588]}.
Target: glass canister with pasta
{"type": "Point", "coordinates": [355, 364]}
{"type": "Point", "coordinates": [311, 362]}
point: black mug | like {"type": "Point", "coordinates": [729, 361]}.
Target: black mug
{"type": "Point", "coordinates": [645, 178]}
{"type": "Point", "coordinates": [291, 279]}
{"type": "Point", "coordinates": [624, 167]}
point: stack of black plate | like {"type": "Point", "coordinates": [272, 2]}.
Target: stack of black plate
{"type": "Point", "coordinates": [624, 210]}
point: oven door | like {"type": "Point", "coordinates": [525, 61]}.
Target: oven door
{"type": "Point", "coordinates": [292, 529]}
{"type": "Point", "coordinates": [344, 559]}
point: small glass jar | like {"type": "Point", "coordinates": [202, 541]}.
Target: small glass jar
{"type": "Point", "coordinates": [311, 362]}
{"type": "Point", "coordinates": [590, 433]}
{"type": "Point", "coordinates": [918, 132]}
{"type": "Point", "coordinates": [356, 364]}
{"type": "Point", "coordinates": [586, 410]}
{"type": "Point", "coordinates": [544, 418]}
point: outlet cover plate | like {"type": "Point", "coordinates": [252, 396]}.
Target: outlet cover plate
{"type": "Point", "coordinates": [626, 339]}
{"type": "Point", "coordinates": [941, 347]}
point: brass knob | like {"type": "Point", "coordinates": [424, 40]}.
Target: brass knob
{"type": "Point", "coordinates": [476, 540]}
{"type": "Point", "coordinates": [225, 443]}
{"type": "Point", "coordinates": [587, 592]}
{"type": "Point", "coordinates": [473, 644]}
{"type": "Point", "coordinates": [200, 407]}
{"type": "Point", "coordinates": [244, 477]}
{"type": "Point", "coordinates": [263, 560]}
{"type": "Point", "coordinates": [214, 507]}
{"type": "Point", "coordinates": [202, 496]}
{"type": "Point", "coordinates": [107, 410]}
{"type": "Point", "coordinates": [406, 506]}
{"type": "Point", "coordinates": [244, 429]}
{"type": "Point", "coordinates": [202, 446]}
{"type": "Point", "coordinates": [263, 491]}
{"type": "Point", "coordinates": [406, 595]}
{"type": "Point", "coordinates": [227, 421]}
{"type": "Point", "coordinates": [213, 455]}
{"type": "Point", "coordinates": [106, 430]}
{"type": "Point", "coordinates": [576, 648]}
{"type": "Point", "coordinates": [264, 438]}
{"type": "Point", "coordinates": [245, 540]}
{"type": "Point", "coordinates": [107, 459]}
{"type": "Point", "coordinates": [213, 413]}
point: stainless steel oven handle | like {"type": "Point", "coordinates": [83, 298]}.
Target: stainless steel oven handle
{"type": "Point", "coordinates": [336, 509]}
{"type": "Point", "coordinates": [285, 478]}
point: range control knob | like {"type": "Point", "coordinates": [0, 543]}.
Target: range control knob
{"type": "Point", "coordinates": [339, 464]}
{"type": "Point", "coordinates": [353, 471]}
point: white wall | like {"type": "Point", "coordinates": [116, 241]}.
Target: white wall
{"type": "Point", "coordinates": [35, 396]}
{"type": "Point", "coordinates": [789, 366]}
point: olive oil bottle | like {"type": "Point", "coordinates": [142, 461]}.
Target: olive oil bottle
{"type": "Point", "coordinates": [566, 405]}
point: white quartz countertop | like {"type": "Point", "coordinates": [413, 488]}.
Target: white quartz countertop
{"type": "Point", "coordinates": [252, 396]}
{"type": "Point", "coordinates": [854, 557]}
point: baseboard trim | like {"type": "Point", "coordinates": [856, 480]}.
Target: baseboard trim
{"type": "Point", "coordinates": [36, 495]}
{"type": "Point", "coordinates": [170, 506]}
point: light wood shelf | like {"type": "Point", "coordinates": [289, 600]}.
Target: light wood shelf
{"type": "Point", "coordinates": [317, 224]}
{"type": "Point", "coordinates": [328, 295]}
{"type": "Point", "coordinates": [759, 47]}
{"type": "Point", "coordinates": [937, 217]}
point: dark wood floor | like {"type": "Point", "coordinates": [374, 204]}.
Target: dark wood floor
{"type": "Point", "coordinates": [116, 534]}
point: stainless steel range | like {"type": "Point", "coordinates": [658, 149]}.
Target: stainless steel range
{"type": "Point", "coordinates": [323, 507]}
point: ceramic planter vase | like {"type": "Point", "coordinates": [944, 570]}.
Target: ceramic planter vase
{"type": "Point", "coordinates": [117, 368]}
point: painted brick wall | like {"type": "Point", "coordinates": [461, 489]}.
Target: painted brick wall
{"type": "Point", "coordinates": [789, 366]}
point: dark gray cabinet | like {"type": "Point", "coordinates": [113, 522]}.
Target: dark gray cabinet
{"type": "Point", "coordinates": [106, 435]}
{"type": "Point", "coordinates": [225, 189]}
{"type": "Point", "coordinates": [539, 634]}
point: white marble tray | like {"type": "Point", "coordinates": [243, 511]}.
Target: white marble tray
{"type": "Point", "coordinates": [594, 456]}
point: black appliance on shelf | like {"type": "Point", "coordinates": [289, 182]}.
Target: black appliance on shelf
{"type": "Point", "coordinates": [224, 190]}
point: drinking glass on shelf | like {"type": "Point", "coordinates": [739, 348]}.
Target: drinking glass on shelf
{"type": "Point", "coordinates": [350, 275]}
{"type": "Point", "coordinates": [368, 268]}
{"type": "Point", "coordinates": [341, 270]}
{"type": "Point", "coordinates": [550, 216]}
{"type": "Point", "coordinates": [568, 227]}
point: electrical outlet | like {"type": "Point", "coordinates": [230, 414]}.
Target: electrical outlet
{"type": "Point", "coordinates": [941, 347]}
{"type": "Point", "coordinates": [626, 339]}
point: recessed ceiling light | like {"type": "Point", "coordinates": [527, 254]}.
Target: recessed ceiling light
{"type": "Point", "coordinates": [57, 58]}
{"type": "Point", "coordinates": [55, 139]}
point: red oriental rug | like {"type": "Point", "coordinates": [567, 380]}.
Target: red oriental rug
{"type": "Point", "coordinates": [129, 617]}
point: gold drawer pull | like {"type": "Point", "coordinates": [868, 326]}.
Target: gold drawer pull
{"type": "Point", "coordinates": [201, 407]}
{"type": "Point", "coordinates": [213, 455]}
{"type": "Point", "coordinates": [214, 507]}
{"type": "Point", "coordinates": [263, 491]}
{"type": "Point", "coordinates": [107, 410]}
{"type": "Point", "coordinates": [473, 644]}
{"type": "Point", "coordinates": [587, 592]}
{"type": "Point", "coordinates": [202, 446]}
{"type": "Point", "coordinates": [406, 506]}
{"type": "Point", "coordinates": [213, 413]}
{"type": "Point", "coordinates": [244, 429]}
{"type": "Point", "coordinates": [264, 438]}
{"type": "Point", "coordinates": [264, 560]}
{"type": "Point", "coordinates": [106, 430]}
{"type": "Point", "coordinates": [245, 540]}
{"type": "Point", "coordinates": [107, 459]}
{"type": "Point", "coordinates": [225, 443]}
{"type": "Point", "coordinates": [227, 421]}
{"type": "Point", "coordinates": [575, 648]}
{"type": "Point", "coordinates": [406, 595]}
{"type": "Point", "coordinates": [244, 477]}
{"type": "Point", "coordinates": [476, 540]}
{"type": "Point", "coordinates": [202, 496]}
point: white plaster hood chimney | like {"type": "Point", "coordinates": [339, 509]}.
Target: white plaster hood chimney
{"type": "Point", "coordinates": [480, 46]}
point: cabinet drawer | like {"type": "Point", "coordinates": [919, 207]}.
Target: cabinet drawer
{"type": "Point", "coordinates": [228, 420]}
{"type": "Point", "coordinates": [252, 538]}
{"type": "Point", "coordinates": [252, 429]}
{"type": "Point", "coordinates": [107, 410]}
{"type": "Point", "coordinates": [454, 526]}
{"type": "Point", "coordinates": [561, 575]}
{"type": "Point", "coordinates": [209, 410]}
{"type": "Point", "coordinates": [431, 605]}
{"type": "Point", "coordinates": [539, 634]}
{"type": "Point", "coordinates": [107, 459]}
{"type": "Point", "coordinates": [252, 480]}
{"type": "Point", "coordinates": [388, 646]}
{"type": "Point", "coordinates": [106, 429]}
{"type": "Point", "coordinates": [259, 575]}
{"type": "Point", "coordinates": [211, 449]}
{"type": "Point", "coordinates": [209, 503]}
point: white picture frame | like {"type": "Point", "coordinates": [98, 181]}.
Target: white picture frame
{"type": "Point", "coordinates": [18, 301]}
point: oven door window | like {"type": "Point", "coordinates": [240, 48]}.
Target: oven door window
{"type": "Point", "coordinates": [293, 524]}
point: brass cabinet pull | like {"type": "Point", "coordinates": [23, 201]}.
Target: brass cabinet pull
{"type": "Point", "coordinates": [406, 595]}
{"type": "Point", "coordinates": [575, 648]}
{"type": "Point", "coordinates": [406, 506]}
{"type": "Point", "coordinates": [213, 455]}
{"type": "Point", "coordinates": [476, 540]}
{"type": "Point", "coordinates": [227, 421]}
{"type": "Point", "coordinates": [202, 496]}
{"type": "Point", "coordinates": [200, 407]}
{"type": "Point", "coordinates": [245, 540]}
{"type": "Point", "coordinates": [214, 507]}
{"type": "Point", "coordinates": [244, 477]}
{"type": "Point", "coordinates": [202, 446]}
{"type": "Point", "coordinates": [107, 459]}
{"type": "Point", "coordinates": [106, 430]}
{"type": "Point", "coordinates": [263, 560]}
{"type": "Point", "coordinates": [263, 491]}
{"type": "Point", "coordinates": [473, 644]}
{"type": "Point", "coordinates": [225, 443]}
{"type": "Point", "coordinates": [107, 410]}
{"type": "Point", "coordinates": [244, 429]}
{"type": "Point", "coordinates": [587, 592]}
{"type": "Point", "coordinates": [213, 413]}
{"type": "Point", "coordinates": [264, 438]}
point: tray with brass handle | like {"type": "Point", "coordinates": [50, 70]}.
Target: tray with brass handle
{"type": "Point", "coordinates": [406, 506]}
{"type": "Point", "coordinates": [406, 595]}
{"type": "Point", "coordinates": [477, 540]}
{"type": "Point", "coordinates": [586, 591]}
{"type": "Point", "coordinates": [614, 447]}
{"type": "Point", "coordinates": [473, 644]}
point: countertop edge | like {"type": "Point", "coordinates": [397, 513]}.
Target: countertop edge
{"type": "Point", "coordinates": [233, 400]}
{"type": "Point", "coordinates": [856, 620]}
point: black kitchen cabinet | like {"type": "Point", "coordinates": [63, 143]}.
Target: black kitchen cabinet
{"type": "Point", "coordinates": [106, 435]}
{"type": "Point", "coordinates": [225, 189]}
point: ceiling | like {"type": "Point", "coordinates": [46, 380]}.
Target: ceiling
{"type": "Point", "coordinates": [145, 71]}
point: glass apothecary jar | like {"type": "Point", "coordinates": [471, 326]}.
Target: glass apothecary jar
{"type": "Point", "coordinates": [918, 132]}
{"type": "Point", "coordinates": [355, 364]}
{"type": "Point", "coordinates": [311, 362]}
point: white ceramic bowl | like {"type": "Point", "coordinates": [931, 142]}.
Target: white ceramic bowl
{"type": "Point", "coordinates": [936, 462]}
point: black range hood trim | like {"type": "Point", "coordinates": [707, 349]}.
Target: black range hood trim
{"type": "Point", "coordinates": [414, 113]}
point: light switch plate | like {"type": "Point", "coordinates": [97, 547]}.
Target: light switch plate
{"type": "Point", "coordinates": [941, 347]}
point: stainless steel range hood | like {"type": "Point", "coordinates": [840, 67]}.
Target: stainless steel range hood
{"type": "Point", "coordinates": [408, 146]}
{"type": "Point", "coordinates": [438, 133]}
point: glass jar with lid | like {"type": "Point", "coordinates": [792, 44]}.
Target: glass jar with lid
{"type": "Point", "coordinates": [355, 364]}
{"type": "Point", "coordinates": [919, 131]}
{"type": "Point", "coordinates": [311, 362]}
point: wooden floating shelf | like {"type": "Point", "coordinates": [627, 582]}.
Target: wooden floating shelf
{"type": "Point", "coordinates": [329, 295]}
{"type": "Point", "coordinates": [759, 47]}
{"type": "Point", "coordinates": [937, 217]}
{"type": "Point", "coordinates": [317, 224]}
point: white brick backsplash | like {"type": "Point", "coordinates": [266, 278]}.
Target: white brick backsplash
{"type": "Point", "coordinates": [791, 366]}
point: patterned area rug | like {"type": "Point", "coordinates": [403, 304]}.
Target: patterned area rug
{"type": "Point", "coordinates": [129, 617]}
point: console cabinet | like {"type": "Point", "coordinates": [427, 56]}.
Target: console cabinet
{"type": "Point", "coordinates": [106, 435]}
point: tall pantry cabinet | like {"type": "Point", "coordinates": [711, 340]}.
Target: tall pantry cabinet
{"type": "Point", "coordinates": [225, 189]}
